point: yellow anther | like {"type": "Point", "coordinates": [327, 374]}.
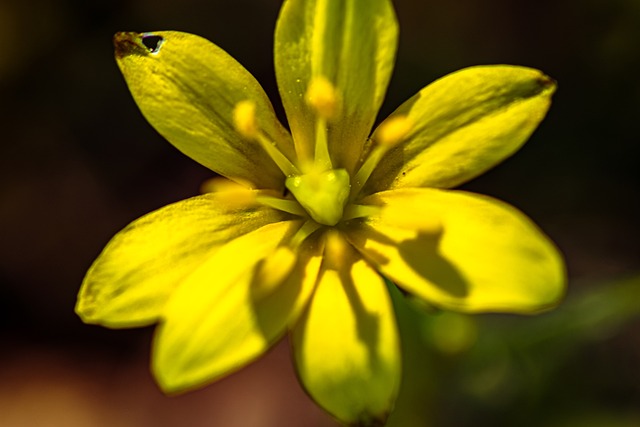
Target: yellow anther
{"type": "Point", "coordinates": [230, 193]}
{"type": "Point", "coordinates": [273, 271]}
{"type": "Point", "coordinates": [323, 97]}
{"type": "Point", "coordinates": [393, 130]}
{"type": "Point", "coordinates": [244, 119]}
{"type": "Point", "coordinates": [336, 250]}
{"type": "Point", "coordinates": [390, 133]}
{"type": "Point", "coordinates": [220, 184]}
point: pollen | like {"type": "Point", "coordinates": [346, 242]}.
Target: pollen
{"type": "Point", "coordinates": [323, 97]}
{"type": "Point", "coordinates": [244, 119]}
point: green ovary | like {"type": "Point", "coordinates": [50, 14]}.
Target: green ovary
{"type": "Point", "coordinates": [322, 194]}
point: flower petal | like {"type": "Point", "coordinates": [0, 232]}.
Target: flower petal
{"type": "Point", "coordinates": [462, 251]}
{"type": "Point", "coordinates": [350, 43]}
{"type": "Point", "coordinates": [129, 283]}
{"type": "Point", "coordinates": [346, 344]}
{"type": "Point", "coordinates": [214, 324]}
{"type": "Point", "coordinates": [464, 124]}
{"type": "Point", "coordinates": [187, 88]}
{"type": "Point", "coordinates": [292, 296]}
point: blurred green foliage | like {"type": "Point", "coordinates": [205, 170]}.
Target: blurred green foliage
{"type": "Point", "coordinates": [527, 371]}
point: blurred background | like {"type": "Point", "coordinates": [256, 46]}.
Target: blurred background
{"type": "Point", "coordinates": [78, 162]}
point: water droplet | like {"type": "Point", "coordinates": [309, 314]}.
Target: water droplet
{"type": "Point", "coordinates": [152, 42]}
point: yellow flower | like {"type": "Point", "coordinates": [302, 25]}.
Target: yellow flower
{"type": "Point", "coordinates": [305, 227]}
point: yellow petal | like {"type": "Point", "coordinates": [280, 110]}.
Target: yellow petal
{"type": "Point", "coordinates": [129, 282]}
{"type": "Point", "coordinates": [214, 324]}
{"type": "Point", "coordinates": [292, 295]}
{"type": "Point", "coordinates": [462, 125]}
{"type": "Point", "coordinates": [484, 256]}
{"type": "Point", "coordinates": [187, 88]}
{"type": "Point", "coordinates": [346, 344]}
{"type": "Point", "coordinates": [352, 44]}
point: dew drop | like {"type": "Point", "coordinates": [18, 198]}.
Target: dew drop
{"type": "Point", "coordinates": [152, 42]}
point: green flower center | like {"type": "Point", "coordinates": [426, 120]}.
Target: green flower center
{"type": "Point", "coordinates": [322, 194]}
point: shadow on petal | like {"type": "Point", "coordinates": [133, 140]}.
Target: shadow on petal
{"type": "Point", "coordinates": [346, 345]}
{"type": "Point", "coordinates": [420, 254]}
{"type": "Point", "coordinates": [367, 322]}
{"type": "Point", "coordinates": [282, 305]}
{"type": "Point", "coordinates": [275, 309]}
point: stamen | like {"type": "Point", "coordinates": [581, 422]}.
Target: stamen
{"type": "Point", "coordinates": [321, 155]}
{"type": "Point", "coordinates": [235, 195]}
{"type": "Point", "coordinates": [219, 184]}
{"type": "Point", "coordinates": [230, 193]}
{"type": "Point", "coordinates": [335, 250]}
{"type": "Point", "coordinates": [244, 120]}
{"type": "Point", "coordinates": [323, 98]}
{"type": "Point", "coordinates": [359, 211]}
{"type": "Point", "coordinates": [307, 229]}
{"type": "Point", "coordinates": [285, 205]}
{"type": "Point", "coordinates": [389, 134]}
{"type": "Point", "coordinates": [273, 271]}
{"type": "Point", "coordinates": [393, 130]}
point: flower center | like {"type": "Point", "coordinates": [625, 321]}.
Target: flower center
{"type": "Point", "coordinates": [321, 190]}
{"type": "Point", "coordinates": [323, 194]}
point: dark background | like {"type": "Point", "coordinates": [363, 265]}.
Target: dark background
{"type": "Point", "coordinates": [78, 162]}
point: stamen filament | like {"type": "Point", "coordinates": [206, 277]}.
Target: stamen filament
{"type": "Point", "coordinates": [367, 168]}
{"type": "Point", "coordinates": [321, 155]}
{"type": "Point", "coordinates": [289, 206]}
{"type": "Point", "coordinates": [324, 100]}
{"type": "Point", "coordinates": [307, 229]}
{"type": "Point", "coordinates": [285, 165]}
{"type": "Point", "coordinates": [390, 133]}
{"type": "Point", "coordinates": [244, 120]}
{"type": "Point", "coordinates": [354, 211]}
